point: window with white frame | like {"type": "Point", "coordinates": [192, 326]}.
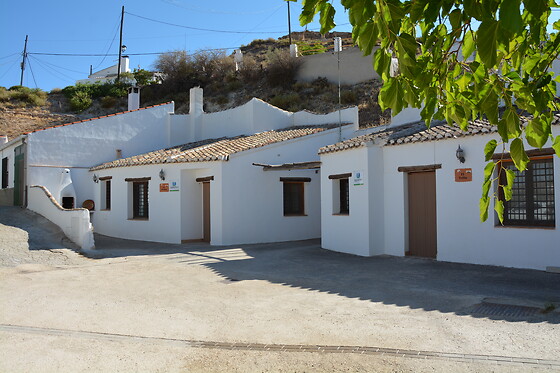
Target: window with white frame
{"type": "Point", "coordinates": [138, 198]}
{"type": "Point", "coordinates": [106, 192]}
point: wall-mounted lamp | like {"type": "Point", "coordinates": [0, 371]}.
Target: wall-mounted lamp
{"type": "Point", "coordinates": [162, 174]}
{"type": "Point", "coordinates": [95, 178]}
{"type": "Point", "coordinates": [460, 154]}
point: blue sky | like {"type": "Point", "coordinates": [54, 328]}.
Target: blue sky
{"type": "Point", "coordinates": [80, 27]}
{"type": "Point", "coordinates": [89, 28]}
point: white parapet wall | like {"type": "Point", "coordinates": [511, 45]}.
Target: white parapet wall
{"type": "Point", "coordinates": [75, 223]}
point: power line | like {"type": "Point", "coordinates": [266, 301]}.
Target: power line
{"type": "Point", "coordinates": [54, 72]}
{"type": "Point", "coordinates": [32, 74]}
{"type": "Point", "coordinates": [196, 9]}
{"type": "Point", "coordinates": [60, 67]}
{"type": "Point", "coordinates": [116, 28]}
{"type": "Point", "coordinates": [10, 55]}
{"type": "Point", "coordinates": [202, 29]}
{"type": "Point", "coordinates": [9, 68]}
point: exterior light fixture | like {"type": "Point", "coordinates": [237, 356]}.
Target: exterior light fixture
{"type": "Point", "coordinates": [460, 154]}
{"type": "Point", "coordinates": [162, 174]}
{"type": "Point", "coordinates": [95, 178]}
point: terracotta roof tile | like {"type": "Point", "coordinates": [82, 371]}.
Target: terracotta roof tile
{"type": "Point", "coordinates": [417, 132]}
{"type": "Point", "coordinates": [218, 149]}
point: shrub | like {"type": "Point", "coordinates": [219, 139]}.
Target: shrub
{"type": "Point", "coordinates": [250, 71]}
{"type": "Point", "coordinates": [142, 77]}
{"type": "Point", "coordinates": [289, 101]}
{"type": "Point", "coordinates": [306, 48]}
{"type": "Point", "coordinates": [4, 94]}
{"type": "Point", "coordinates": [348, 96]}
{"type": "Point", "coordinates": [222, 100]}
{"type": "Point", "coordinates": [80, 101]}
{"type": "Point", "coordinates": [282, 68]}
{"type": "Point", "coordinates": [108, 102]}
{"type": "Point", "coordinates": [27, 96]}
{"type": "Point", "coordinates": [55, 91]}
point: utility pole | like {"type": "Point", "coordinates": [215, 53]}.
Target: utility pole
{"type": "Point", "coordinates": [120, 46]}
{"type": "Point", "coordinates": [23, 61]}
{"type": "Point", "coordinates": [289, 24]}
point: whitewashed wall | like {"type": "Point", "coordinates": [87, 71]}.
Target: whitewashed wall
{"type": "Point", "coordinates": [83, 145]}
{"type": "Point", "coordinates": [7, 151]}
{"type": "Point", "coordinates": [75, 223]}
{"type": "Point", "coordinates": [246, 202]}
{"type": "Point", "coordinates": [253, 117]}
{"type": "Point", "coordinates": [347, 234]}
{"type": "Point", "coordinates": [461, 237]}
{"type": "Point", "coordinates": [354, 67]}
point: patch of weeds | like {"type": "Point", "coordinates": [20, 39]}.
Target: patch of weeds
{"type": "Point", "coordinates": [548, 307]}
{"type": "Point", "coordinates": [348, 97]}
{"type": "Point", "coordinates": [289, 101]}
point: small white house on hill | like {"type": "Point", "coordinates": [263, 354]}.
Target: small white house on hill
{"type": "Point", "coordinates": [404, 191]}
{"type": "Point", "coordinates": [248, 174]}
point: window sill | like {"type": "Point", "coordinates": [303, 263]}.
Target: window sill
{"type": "Point", "coordinates": [342, 214]}
{"type": "Point", "coordinates": [526, 227]}
{"type": "Point", "coordinates": [291, 215]}
{"type": "Point", "coordinates": [139, 219]}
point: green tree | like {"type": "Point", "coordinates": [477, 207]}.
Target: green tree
{"type": "Point", "coordinates": [143, 77]}
{"type": "Point", "coordinates": [460, 60]}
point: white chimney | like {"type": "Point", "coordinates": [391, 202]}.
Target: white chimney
{"type": "Point", "coordinates": [338, 44]}
{"type": "Point", "coordinates": [133, 98]}
{"type": "Point", "coordinates": [238, 58]}
{"type": "Point", "coordinates": [196, 101]}
{"type": "Point", "coordinates": [3, 139]}
{"type": "Point", "coordinates": [293, 50]}
{"type": "Point", "coordinates": [125, 64]}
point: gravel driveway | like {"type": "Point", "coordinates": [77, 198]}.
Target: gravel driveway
{"type": "Point", "coordinates": [140, 306]}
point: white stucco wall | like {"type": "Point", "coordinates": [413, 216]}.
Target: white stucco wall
{"type": "Point", "coordinates": [354, 67]}
{"type": "Point", "coordinates": [75, 223]}
{"type": "Point", "coordinates": [346, 233]}
{"type": "Point", "coordinates": [253, 117]}
{"type": "Point", "coordinates": [461, 237]}
{"type": "Point", "coordinates": [83, 145]}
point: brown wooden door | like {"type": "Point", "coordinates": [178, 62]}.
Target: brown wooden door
{"type": "Point", "coordinates": [206, 211]}
{"type": "Point", "coordinates": [422, 224]}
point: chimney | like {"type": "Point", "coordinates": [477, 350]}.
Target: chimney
{"type": "Point", "coordinates": [125, 64]}
{"type": "Point", "coordinates": [133, 98]}
{"type": "Point", "coordinates": [293, 51]}
{"type": "Point", "coordinates": [195, 102]}
{"type": "Point", "coordinates": [238, 58]}
{"type": "Point", "coordinates": [3, 139]}
{"type": "Point", "coordinates": [338, 44]}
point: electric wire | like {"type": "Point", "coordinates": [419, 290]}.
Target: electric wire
{"type": "Point", "coordinates": [32, 73]}
{"type": "Point", "coordinates": [9, 68]}
{"type": "Point", "coordinates": [212, 11]}
{"type": "Point", "coordinates": [54, 72]}
{"type": "Point", "coordinates": [202, 29]}
{"type": "Point", "coordinates": [263, 21]}
{"type": "Point", "coordinates": [10, 55]}
{"type": "Point", "coordinates": [116, 28]}
{"type": "Point", "coordinates": [60, 67]}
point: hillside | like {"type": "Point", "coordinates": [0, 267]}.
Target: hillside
{"type": "Point", "coordinates": [224, 88]}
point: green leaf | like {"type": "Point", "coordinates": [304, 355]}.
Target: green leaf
{"type": "Point", "coordinates": [489, 106]}
{"type": "Point", "coordinates": [486, 42]}
{"type": "Point", "coordinates": [468, 44]}
{"type": "Point", "coordinates": [489, 170]}
{"type": "Point", "coordinates": [509, 124]}
{"type": "Point", "coordinates": [327, 18]}
{"type": "Point", "coordinates": [489, 149]}
{"type": "Point", "coordinates": [508, 188]}
{"type": "Point", "coordinates": [499, 208]}
{"type": "Point", "coordinates": [518, 154]}
{"type": "Point", "coordinates": [556, 145]}
{"type": "Point", "coordinates": [510, 16]}
{"type": "Point", "coordinates": [391, 96]}
{"type": "Point", "coordinates": [455, 19]}
{"type": "Point", "coordinates": [309, 9]}
{"type": "Point", "coordinates": [483, 206]}
{"type": "Point", "coordinates": [537, 132]}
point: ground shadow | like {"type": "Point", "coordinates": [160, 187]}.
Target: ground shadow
{"type": "Point", "coordinates": [463, 289]}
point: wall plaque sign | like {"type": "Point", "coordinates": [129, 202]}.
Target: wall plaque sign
{"type": "Point", "coordinates": [463, 175]}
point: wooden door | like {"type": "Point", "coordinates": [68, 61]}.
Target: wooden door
{"type": "Point", "coordinates": [206, 211]}
{"type": "Point", "coordinates": [422, 222]}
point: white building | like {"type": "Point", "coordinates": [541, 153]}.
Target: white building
{"type": "Point", "coordinates": [403, 191]}
{"type": "Point", "coordinates": [249, 174]}
{"type": "Point", "coordinates": [108, 74]}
